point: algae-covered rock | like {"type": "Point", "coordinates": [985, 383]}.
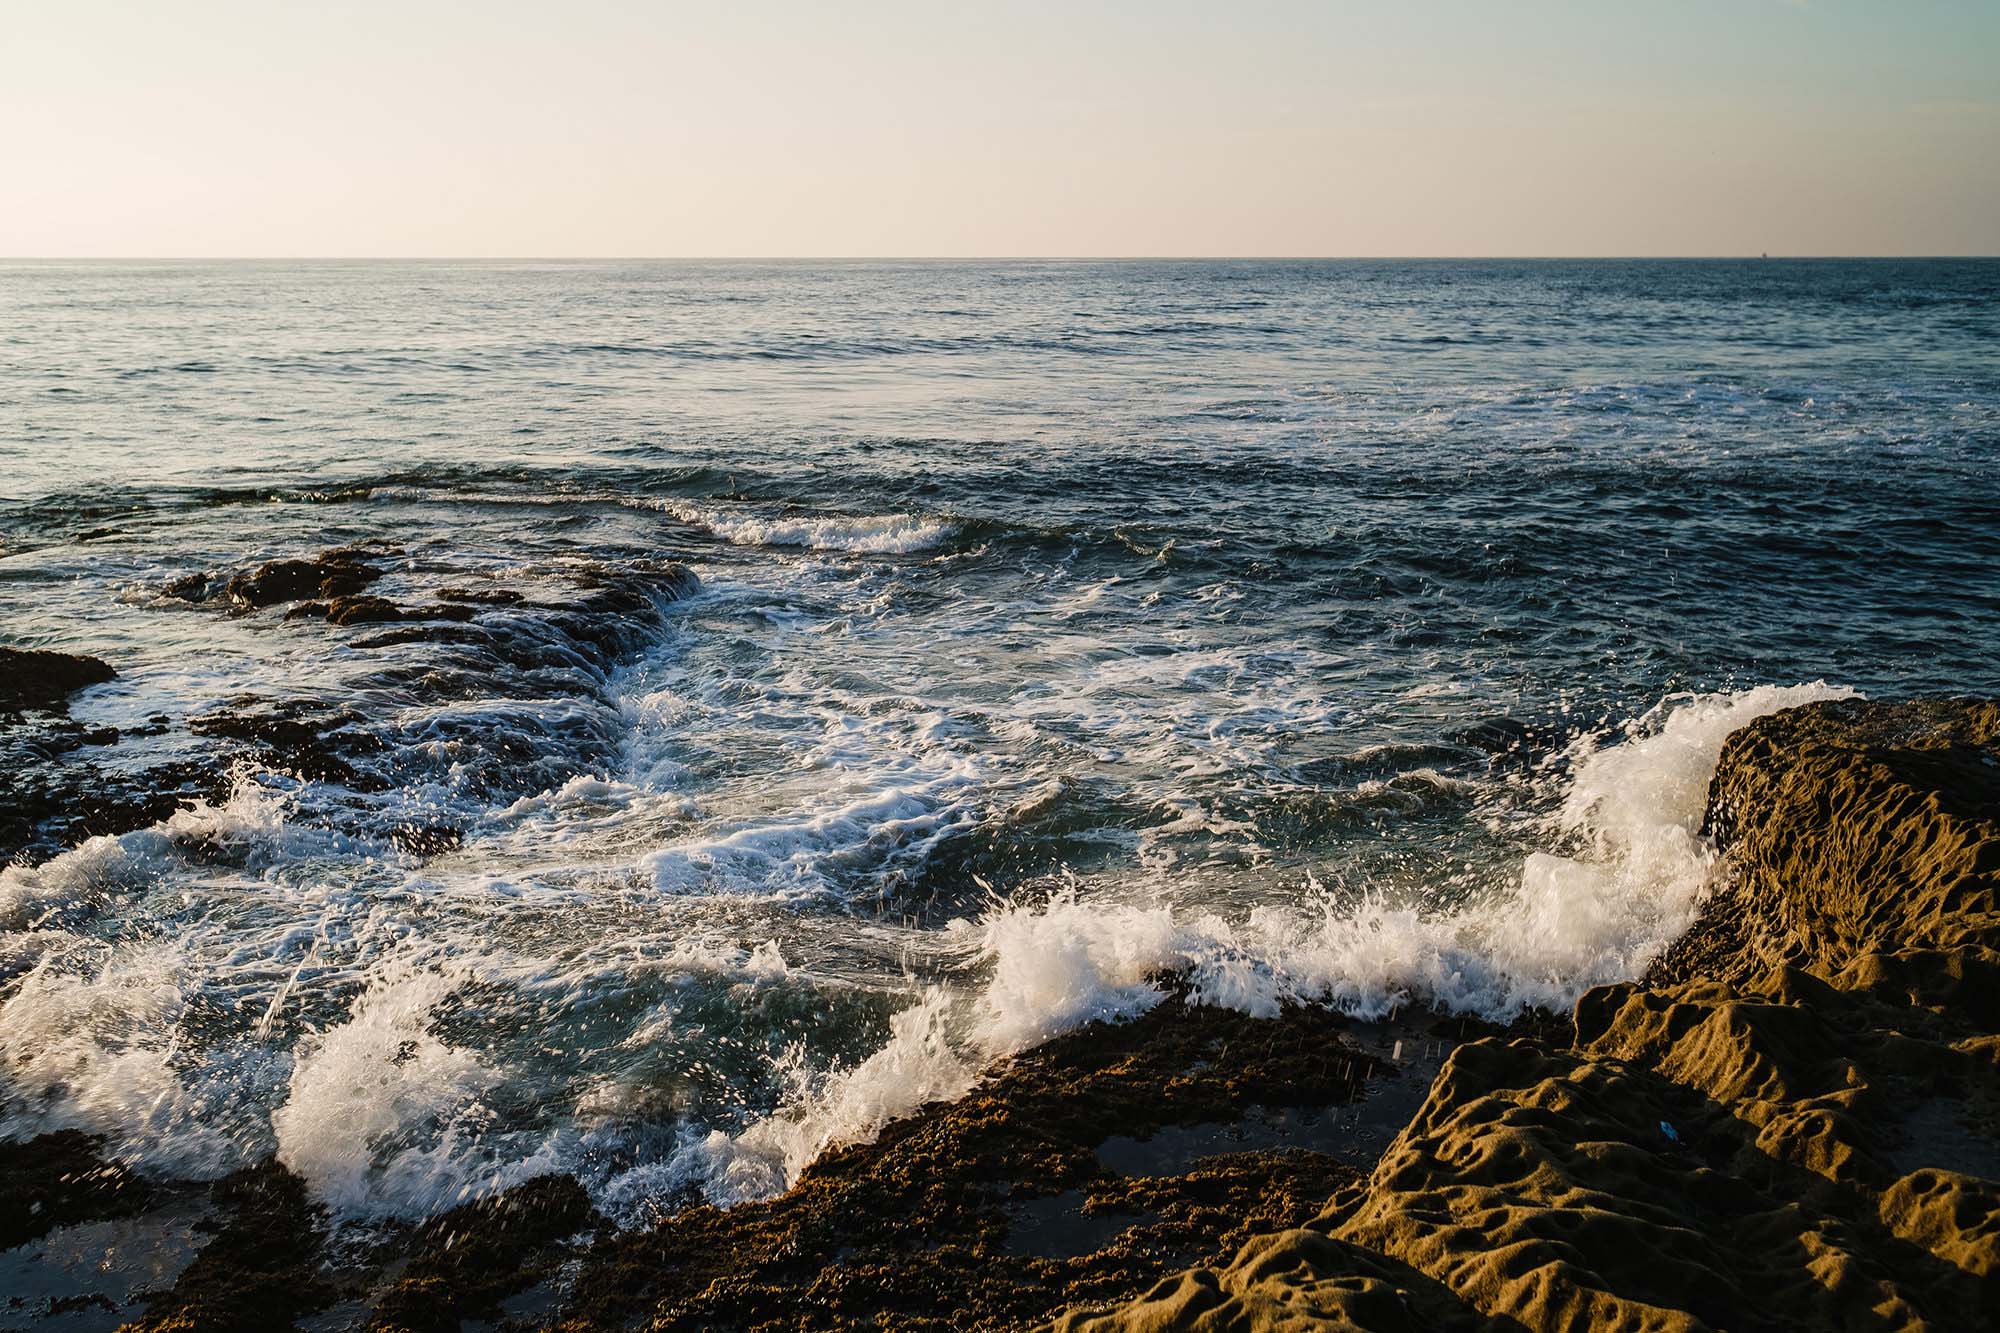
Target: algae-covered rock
{"type": "Point", "coordinates": [54, 1180]}
{"type": "Point", "coordinates": [997, 1210]}
{"type": "Point", "coordinates": [38, 678]}
{"type": "Point", "coordinates": [463, 1262]}
{"type": "Point", "coordinates": [336, 573]}
{"type": "Point", "coordinates": [262, 1269]}
{"type": "Point", "coordinates": [1291, 1282]}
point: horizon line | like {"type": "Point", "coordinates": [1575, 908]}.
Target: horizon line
{"type": "Point", "coordinates": [972, 259]}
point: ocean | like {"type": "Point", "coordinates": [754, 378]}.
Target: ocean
{"type": "Point", "coordinates": [796, 686]}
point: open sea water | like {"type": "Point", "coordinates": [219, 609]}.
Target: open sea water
{"type": "Point", "coordinates": [859, 672]}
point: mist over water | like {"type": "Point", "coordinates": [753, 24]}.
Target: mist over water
{"type": "Point", "coordinates": [1350, 633]}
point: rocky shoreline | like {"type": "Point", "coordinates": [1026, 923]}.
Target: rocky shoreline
{"type": "Point", "coordinates": [1791, 1121]}
{"type": "Point", "coordinates": [446, 636]}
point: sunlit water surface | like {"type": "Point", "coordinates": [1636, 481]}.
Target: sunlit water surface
{"type": "Point", "coordinates": [1357, 633]}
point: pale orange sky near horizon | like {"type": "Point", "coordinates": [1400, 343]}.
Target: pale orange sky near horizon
{"type": "Point", "coordinates": [784, 129]}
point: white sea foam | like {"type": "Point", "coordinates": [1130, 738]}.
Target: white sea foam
{"type": "Point", "coordinates": [386, 1113]}
{"type": "Point", "coordinates": [864, 534]}
{"type": "Point", "coordinates": [89, 1041]}
{"type": "Point", "coordinates": [1632, 883]}
{"type": "Point", "coordinates": [1051, 970]}
{"type": "Point", "coordinates": [95, 1033]}
{"type": "Point", "coordinates": [359, 1089]}
{"type": "Point", "coordinates": [920, 1063]}
{"type": "Point", "coordinates": [800, 855]}
{"type": "Point", "coordinates": [249, 825]}
{"type": "Point", "coordinates": [1067, 963]}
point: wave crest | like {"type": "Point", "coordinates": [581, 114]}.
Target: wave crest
{"type": "Point", "coordinates": [1640, 871]}
{"type": "Point", "coordinates": [862, 534]}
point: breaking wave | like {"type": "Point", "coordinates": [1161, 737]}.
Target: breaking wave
{"type": "Point", "coordinates": [1631, 883]}
{"type": "Point", "coordinates": [866, 534]}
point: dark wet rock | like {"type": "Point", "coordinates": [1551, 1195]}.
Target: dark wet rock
{"type": "Point", "coordinates": [51, 736]}
{"type": "Point", "coordinates": [435, 611]}
{"type": "Point", "coordinates": [313, 741]}
{"type": "Point", "coordinates": [260, 1272]}
{"type": "Point", "coordinates": [367, 609]}
{"type": "Point", "coordinates": [157, 724]}
{"type": "Point", "coordinates": [54, 787]}
{"type": "Point", "coordinates": [57, 1180]}
{"type": "Point", "coordinates": [196, 587]}
{"type": "Point", "coordinates": [352, 610]}
{"type": "Point", "coordinates": [997, 1210]}
{"type": "Point", "coordinates": [1794, 1122]}
{"type": "Point", "coordinates": [535, 674]}
{"type": "Point", "coordinates": [36, 678]}
{"type": "Point", "coordinates": [530, 677]}
{"type": "Point", "coordinates": [336, 573]}
{"type": "Point", "coordinates": [494, 696]}
{"type": "Point", "coordinates": [437, 632]}
{"type": "Point", "coordinates": [482, 596]}
{"type": "Point", "coordinates": [43, 811]}
{"type": "Point", "coordinates": [463, 1263]}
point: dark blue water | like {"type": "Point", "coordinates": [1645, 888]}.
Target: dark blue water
{"type": "Point", "coordinates": [1348, 631]}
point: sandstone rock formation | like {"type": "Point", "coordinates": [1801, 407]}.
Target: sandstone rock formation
{"type": "Point", "coordinates": [1794, 1123]}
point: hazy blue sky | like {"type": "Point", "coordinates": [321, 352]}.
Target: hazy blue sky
{"type": "Point", "coordinates": [581, 127]}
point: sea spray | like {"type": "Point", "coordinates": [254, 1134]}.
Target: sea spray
{"type": "Point", "coordinates": [357, 1089]}
{"type": "Point", "coordinates": [1600, 913]}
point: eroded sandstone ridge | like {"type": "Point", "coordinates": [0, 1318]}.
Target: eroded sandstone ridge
{"type": "Point", "coordinates": [1794, 1122]}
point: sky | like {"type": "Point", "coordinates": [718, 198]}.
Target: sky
{"type": "Point", "coordinates": [1089, 128]}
